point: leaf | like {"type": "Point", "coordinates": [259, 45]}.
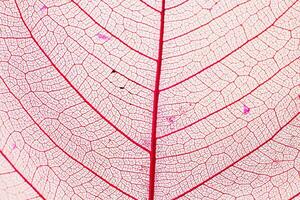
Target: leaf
{"type": "Point", "coordinates": [125, 99]}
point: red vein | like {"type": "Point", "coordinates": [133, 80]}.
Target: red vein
{"type": "Point", "coordinates": [72, 86]}
{"type": "Point", "coordinates": [206, 22]}
{"type": "Point", "coordinates": [228, 105]}
{"type": "Point", "coordinates": [6, 158]}
{"type": "Point", "coordinates": [232, 164]}
{"type": "Point", "coordinates": [296, 195]}
{"type": "Point", "coordinates": [123, 100]}
{"type": "Point", "coordinates": [203, 147]}
{"type": "Point", "coordinates": [149, 6]}
{"type": "Point", "coordinates": [69, 155]}
{"type": "Point", "coordinates": [117, 38]}
{"type": "Point", "coordinates": [155, 107]}
{"type": "Point", "coordinates": [209, 66]}
{"type": "Point", "coordinates": [177, 5]}
{"type": "Point", "coordinates": [97, 58]}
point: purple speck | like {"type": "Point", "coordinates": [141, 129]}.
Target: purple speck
{"type": "Point", "coordinates": [170, 119]}
{"type": "Point", "coordinates": [44, 7]}
{"type": "Point", "coordinates": [246, 109]}
{"type": "Point", "coordinates": [102, 37]}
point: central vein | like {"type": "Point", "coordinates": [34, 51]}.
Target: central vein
{"type": "Point", "coordinates": [155, 107]}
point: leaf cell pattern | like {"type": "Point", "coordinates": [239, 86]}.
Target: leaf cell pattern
{"type": "Point", "coordinates": [123, 99]}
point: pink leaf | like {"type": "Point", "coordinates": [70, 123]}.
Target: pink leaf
{"type": "Point", "coordinates": [146, 99]}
